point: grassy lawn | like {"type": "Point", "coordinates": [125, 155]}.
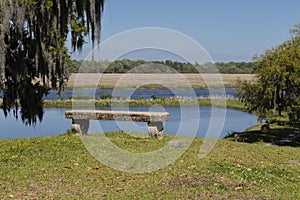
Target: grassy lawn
{"type": "Point", "coordinates": [61, 168]}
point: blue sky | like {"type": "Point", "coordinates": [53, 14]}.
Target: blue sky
{"type": "Point", "coordinates": [229, 30]}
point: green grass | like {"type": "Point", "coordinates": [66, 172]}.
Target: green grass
{"type": "Point", "coordinates": [61, 168]}
{"type": "Point", "coordinates": [230, 103]}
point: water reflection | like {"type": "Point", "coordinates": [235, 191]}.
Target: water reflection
{"type": "Point", "coordinates": [54, 122]}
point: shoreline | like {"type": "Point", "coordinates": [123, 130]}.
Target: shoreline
{"type": "Point", "coordinates": [100, 103]}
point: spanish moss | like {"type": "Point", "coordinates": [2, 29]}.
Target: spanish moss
{"type": "Point", "coordinates": [33, 55]}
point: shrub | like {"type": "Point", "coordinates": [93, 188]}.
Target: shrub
{"type": "Point", "coordinates": [154, 97]}
{"type": "Point", "coordinates": [81, 97]}
{"type": "Point", "coordinates": [105, 96]}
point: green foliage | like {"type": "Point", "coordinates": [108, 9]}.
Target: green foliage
{"type": "Point", "coordinates": [295, 31]}
{"type": "Point", "coordinates": [235, 67]}
{"type": "Point", "coordinates": [154, 97]}
{"type": "Point", "coordinates": [105, 96]}
{"type": "Point", "coordinates": [168, 66]}
{"type": "Point", "coordinates": [276, 88]}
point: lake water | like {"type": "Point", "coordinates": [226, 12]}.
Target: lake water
{"type": "Point", "coordinates": [183, 120]}
{"type": "Point", "coordinates": [146, 94]}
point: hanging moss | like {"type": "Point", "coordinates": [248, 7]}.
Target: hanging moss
{"type": "Point", "coordinates": [33, 54]}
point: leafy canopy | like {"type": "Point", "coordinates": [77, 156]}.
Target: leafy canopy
{"type": "Point", "coordinates": [276, 87]}
{"type": "Point", "coordinates": [33, 55]}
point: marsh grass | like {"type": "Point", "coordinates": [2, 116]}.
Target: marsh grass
{"type": "Point", "coordinates": [146, 81]}
{"type": "Point", "coordinates": [61, 168]}
{"type": "Point", "coordinates": [230, 103]}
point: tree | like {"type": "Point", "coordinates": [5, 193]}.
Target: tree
{"type": "Point", "coordinates": [33, 55]}
{"type": "Point", "coordinates": [295, 31]}
{"type": "Point", "coordinates": [276, 87]}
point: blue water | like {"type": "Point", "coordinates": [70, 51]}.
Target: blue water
{"type": "Point", "coordinates": [146, 94]}
{"type": "Point", "coordinates": [191, 121]}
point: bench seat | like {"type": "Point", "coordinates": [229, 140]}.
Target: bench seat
{"type": "Point", "coordinates": [80, 118]}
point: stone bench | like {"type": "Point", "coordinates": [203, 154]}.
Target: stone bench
{"type": "Point", "coordinates": [80, 119]}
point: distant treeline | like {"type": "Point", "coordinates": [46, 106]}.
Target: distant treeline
{"type": "Point", "coordinates": [168, 66]}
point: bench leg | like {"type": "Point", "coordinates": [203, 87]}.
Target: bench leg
{"type": "Point", "coordinates": [155, 128]}
{"type": "Point", "coordinates": [80, 125]}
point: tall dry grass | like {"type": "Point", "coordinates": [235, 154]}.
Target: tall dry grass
{"type": "Point", "coordinates": [155, 81]}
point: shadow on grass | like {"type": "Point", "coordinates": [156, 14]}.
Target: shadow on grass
{"type": "Point", "coordinates": [277, 136]}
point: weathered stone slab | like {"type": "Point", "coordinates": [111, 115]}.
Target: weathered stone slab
{"type": "Point", "coordinates": [80, 119]}
{"type": "Point", "coordinates": [155, 128]}
{"type": "Point", "coordinates": [117, 115]}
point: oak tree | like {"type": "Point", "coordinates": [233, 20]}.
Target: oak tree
{"type": "Point", "coordinates": [276, 87]}
{"type": "Point", "coordinates": [33, 52]}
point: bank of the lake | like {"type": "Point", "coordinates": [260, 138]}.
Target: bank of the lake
{"type": "Point", "coordinates": [228, 103]}
{"type": "Point", "coordinates": [60, 167]}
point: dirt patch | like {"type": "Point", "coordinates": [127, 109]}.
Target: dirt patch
{"type": "Point", "coordinates": [236, 187]}
{"type": "Point", "coordinates": [209, 195]}
{"type": "Point", "coordinates": [189, 181]}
